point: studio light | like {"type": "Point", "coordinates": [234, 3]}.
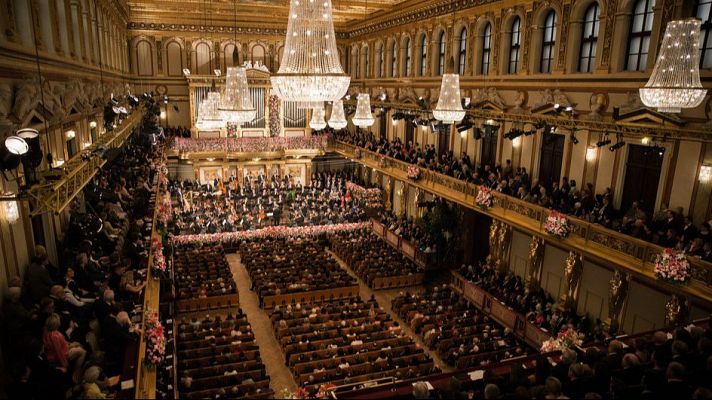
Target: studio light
{"type": "Point", "coordinates": [603, 142]}
{"type": "Point", "coordinates": [477, 134]}
{"type": "Point", "coordinates": [574, 140]}
{"type": "Point", "coordinates": [617, 146]}
{"type": "Point", "coordinates": [14, 147]}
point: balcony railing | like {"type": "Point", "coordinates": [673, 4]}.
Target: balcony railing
{"type": "Point", "coordinates": [592, 240]}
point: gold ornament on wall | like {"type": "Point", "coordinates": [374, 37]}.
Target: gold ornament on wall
{"type": "Point", "coordinates": [535, 262]}
{"type": "Point", "coordinates": [573, 268]}
{"type": "Point", "coordinates": [676, 311]}
{"type": "Point", "coordinates": [617, 294]}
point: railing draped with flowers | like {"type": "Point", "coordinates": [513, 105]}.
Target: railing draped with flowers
{"type": "Point", "coordinates": [250, 144]}
{"type": "Point", "coordinates": [591, 239]}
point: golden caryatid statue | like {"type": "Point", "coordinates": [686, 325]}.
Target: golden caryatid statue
{"type": "Point", "coordinates": [493, 257]}
{"type": "Point", "coordinates": [617, 293]}
{"type": "Point", "coordinates": [404, 199]}
{"type": "Point", "coordinates": [676, 311]}
{"type": "Point", "coordinates": [535, 262]}
{"type": "Point", "coordinates": [417, 198]}
{"type": "Point", "coordinates": [388, 193]}
{"type": "Point", "coordinates": [573, 269]}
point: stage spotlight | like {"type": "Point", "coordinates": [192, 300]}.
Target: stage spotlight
{"type": "Point", "coordinates": [604, 142]}
{"type": "Point", "coordinates": [186, 72]}
{"type": "Point", "coordinates": [463, 126]}
{"type": "Point", "coordinates": [14, 147]}
{"type": "Point", "coordinates": [539, 125]}
{"type": "Point", "coordinates": [617, 146]}
{"type": "Point", "coordinates": [574, 140]}
{"type": "Point", "coordinates": [382, 97]}
{"type": "Point", "coordinates": [477, 134]}
{"type": "Point", "coordinates": [165, 99]}
{"type": "Point", "coordinates": [557, 108]}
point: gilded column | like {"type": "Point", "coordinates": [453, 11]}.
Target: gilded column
{"type": "Point", "coordinates": [535, 263]}
{"type": "Point", "coordinates": [573, 269]}
{"type": "Point", "coordinates": [493, 236]}
{"type": "Point", "coordinates": [617, 296]}
{"type": "Point", "coordinates": [388, 193]}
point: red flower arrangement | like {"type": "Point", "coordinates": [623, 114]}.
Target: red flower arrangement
{"type": "Point", "coordinates": [672, 266]}
{"type": "Point", "coordinates": [155, 338]}
{"type": "Point", "coordinates": [557, 225]}
{"type": "Point", "coordinates": [484, 198]}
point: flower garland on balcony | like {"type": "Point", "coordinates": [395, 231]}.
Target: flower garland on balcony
{"type": "Point", "coordinates": [155, 338]}
{"type": "Point", "coordinates": [274, 125]}
{"type": "Point", "coordinates": [250, 144]}
{"type": "Point", "coordinates": [165, 211]}
{"type": "Point", "coordinates": [414, 172]}
{"type": "Point", "coordinates": [359, 192]}
{"type": "Point", "coordinates": [484, 199]}
{"type": "Point", "coordinates": [269, 232]}
{"type": "Point", "coordinates": [672, 266]}
{"type": "Point", "coordinates": [557, 225]}
{"type": "Point", "coordinates": [158, 267]}
{"type": "Point", "coordinates": [564, 340]}
{"type": "Point", "coordinates": [231, 130]}
{"type": "Point", "coordinates": [324, 392]}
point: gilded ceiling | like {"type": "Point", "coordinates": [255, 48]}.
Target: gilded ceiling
{"type": "Point", "coordinates": [249, 12]}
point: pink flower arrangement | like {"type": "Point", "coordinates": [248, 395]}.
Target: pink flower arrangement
{"type": "Point", "coordinates": [414, 172]}
{"type": "Point", "coordinates": [360, 192]}
{"type": "Point", "coordinates": [155, 338]}
{"type": "Point", "coordinates": [298, 393]}
{"type": "Point", "coordinates": [557, 225]}
{"type": "Point", "coordinates": [484, 198]}
{"type": "Point", "coordinates": [564, 340]}
{"type": "Point", "coordinates": [274, 126]}
{"type": "Point", "coordinates": [325, 390]}
{"type": "Point", "coordinates": [672, 266]}
{"type": "Point", "coordinates": [268, 232]}
{"type": "Point", "coordinates": [250, 144]}
{"type": "Point", "coordinates": [158, 267]}
{"type": "Point", "coordinates": [165, 209]}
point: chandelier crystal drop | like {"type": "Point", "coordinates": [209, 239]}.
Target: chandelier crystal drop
{"type": "Point", "coordinates": [317, 122]}
{"type": "Point", "coordinates": [363, 117]}
{"type": "Point", "coordinates": [310, 70]}
{"type": "Point", "coordinates": [338, 118]}
{"type": "Point", "coordinates": [236, 103]}
{"type": "Point", "coordinates": [675, 81]}
{"type": "Point", "coordinates": [449, 108]}
{"type": "Point", "coordinates": [209, 117]}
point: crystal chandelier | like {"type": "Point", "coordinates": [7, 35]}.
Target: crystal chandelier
{"type": "Point", "coordinates": [310, 70]}
{"type": "Point", "coordinates": [449, 109]}
{"type": "Point", "coordinates": [208, 115]}
{"type": "Point", "coordinates": [236, 103]}
{"type": "Point", "coordinates": [363, 117]}
{"type": "Point", "coordinates": [317, 122]}
{"type": "Point", "coordinates": [338, 118]}
{"type": "Point", "coordinates": [675, 81]}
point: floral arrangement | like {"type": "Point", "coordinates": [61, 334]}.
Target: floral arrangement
{"type": "Point", "coordinates": [231, 130]}
{"type": "Point", "coordinates": [360, 192]}
{"type": "Point", "coordinates": [564, 340]}
{"type": "Point", "coordinates": [165, 210]}
{"type": "Point", "coordinates": [382, 161]}
{"type": "Point", "coordinates": [274, 127]}
{"type": "Point", "coordinates": [155, 337]}
{"type": "Point", "coordinates": [672, 266]}
{"type": "Point", "coordinates": [557, 225]}
{"type": "Point", "coordinates": [158, 267]}
{"type": "Point", "coordinates": [250, 144]}
{"type": "Point", "coordinates": [268, 232]}
{"type": "Point", "coordinates": [324, 390]}
{"type": "Point", "coordinates": [414, 172]}
{"type": "Point", "coordinates": [484, 198]}
{"type": "Point", "coordinates": [298, 393]}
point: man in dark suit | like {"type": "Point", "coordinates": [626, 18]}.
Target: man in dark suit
{"type": "Point", "coordinates": [38, 281]}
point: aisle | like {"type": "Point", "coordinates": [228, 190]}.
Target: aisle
{"type": "Point", "coordinates": [384, 299]}
{"type": "Point", "coordinates": [280, 376]}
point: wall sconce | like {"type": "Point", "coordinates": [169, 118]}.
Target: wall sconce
{"type": "Point", "coordinates": [394, 122]}
{"type": "Point", "coordinates": [705, 173]}
{"type": "Point", "coordinates": [12, 212]}
{"type": "Point", "coordinates": [92, 124]}
{"type": "Point", "coordinates": [210, 159]}
{"type": "Point", "coordinates": [645, 140]}
{"type": "Point", "coordinates": [71, 134]}
{"type": "Point", "coordinates": [163, 115]}
{"type": "Point", "coordinates": [591, 153]}
{"type": "Point", "coordinates": [516, 142]}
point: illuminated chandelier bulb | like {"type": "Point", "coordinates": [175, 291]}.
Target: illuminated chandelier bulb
{"type": "Point", "coordinates": [311, 70]}
{"type": "Point", "coordinates": [449, 108]}
{"type": "Point", "coordinates": [363, 117]}
{"type": "Point", "coordinates": [675, 81]}
{"type": "Point", "coordinates": [338, 117]}
{"type": "Point", "coordinates": [317, 122]}
{"type": "Point", "coordinates": [236, 103]}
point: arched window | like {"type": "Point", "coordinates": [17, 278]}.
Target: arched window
{"type": "Point", "coordinates": [641, 27]}
{"type": "Point", "coordinates": [462, 52]}
{"type": "Point", "coordinates": [423, 54]}
{"type": "Point", "coordinates": [381, 61]}
{"type": "Point", "coordinates": [703, 11]}
{"type": "Point", "coordinates": [365, 63]}
{"type": "Point", "coordinates": [589, 39]}
{"type": "Point", "coordinates": [407, 55]}
{"type": "Point", "coordinates": [486, 49]}
{"type": "Point", "coordinates": [548, 43]}
{"type": "Point", "coordinates": [514, 46]}
{"type": "Point", "coordinates": [394, 59]}
{"type": "Point", "coordinates": [441, 53]}
{"type": "Point", "coordinates": [174, 59]}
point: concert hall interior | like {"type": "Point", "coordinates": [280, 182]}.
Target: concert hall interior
{"type": "Point", "coordinates": [356, 199]}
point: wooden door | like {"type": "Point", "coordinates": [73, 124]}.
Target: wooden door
{"type": "Point", "coordinates": [552, 156]}
{"type": "Point", "coordinates": [488, 152]}
{"type": "Point", "coordinates": [642, 176]}
{"type": "Point", "coordinates": [409, 132]}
